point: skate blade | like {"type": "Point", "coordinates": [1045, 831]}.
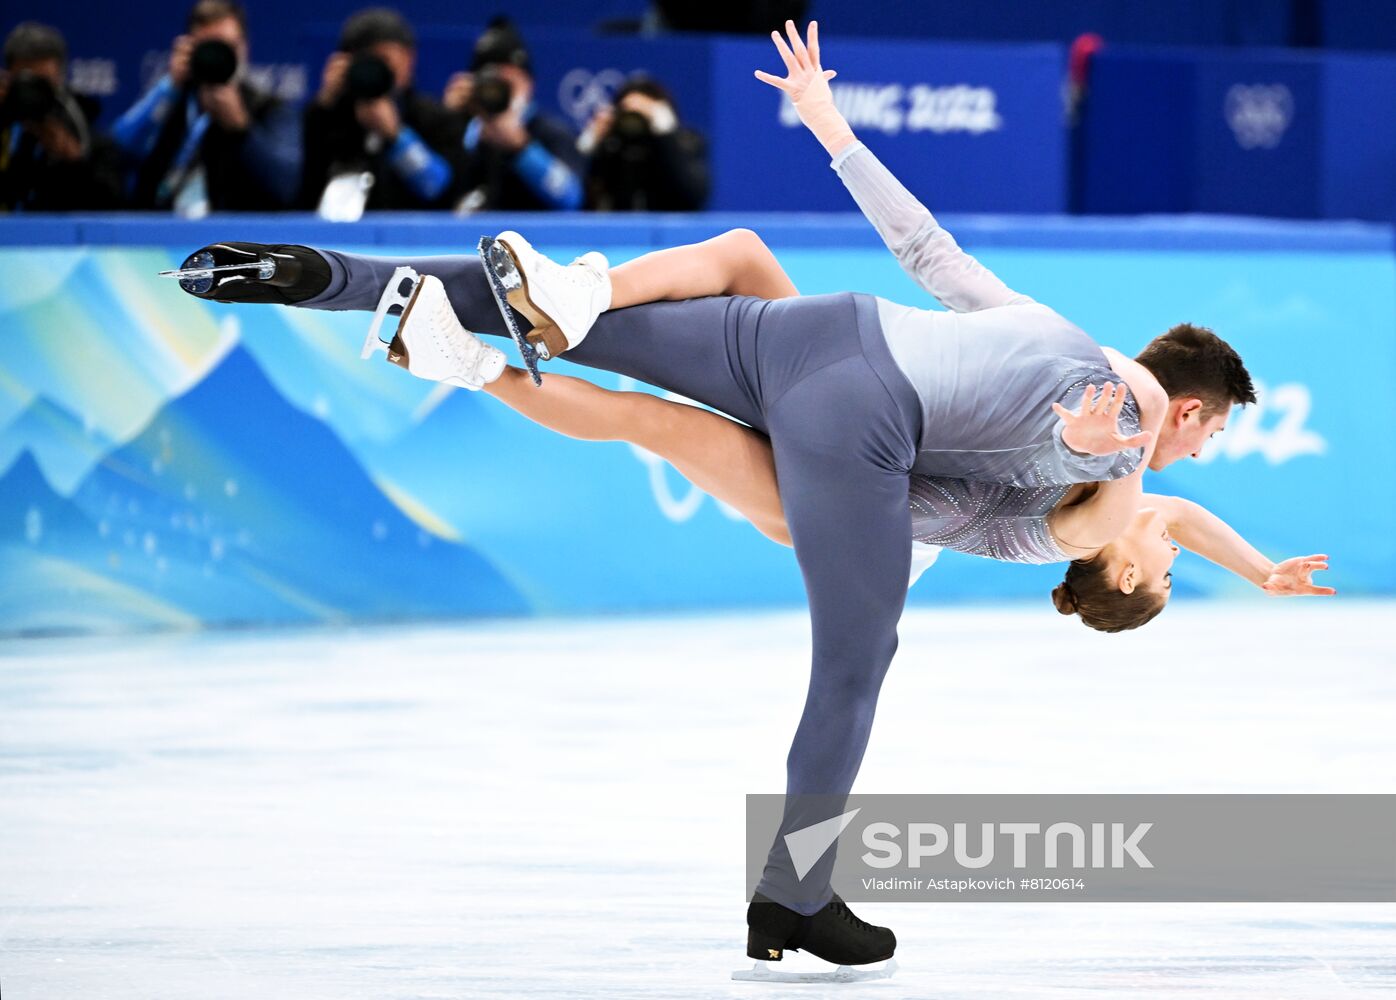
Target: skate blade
{"type": "Point", "coordinates": [761, 972]}
{"type": "Point", "coordinates": [401, 292]}
{"type": "Point", "coordinates": [549, 340]}
{"type": "Point", "coordinates": [200, 276]}
{"type": "Point", "coordinates": [266, 267]}
{"type": "Point", "coordinates": [547, 337]}
{"type": "Point", "coordinates": [504, 276]}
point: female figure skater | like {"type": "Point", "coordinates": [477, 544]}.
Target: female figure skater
{"type": "Point", "coordinates": [1118, 540]}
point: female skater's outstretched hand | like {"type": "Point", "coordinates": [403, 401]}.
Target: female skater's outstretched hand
{"type": "Point", "coordinates": [807, 85]}
{"type": "Point", "coordinates": [1294, 578]}
{"type": "Point", "coordinates": [1096, 429]}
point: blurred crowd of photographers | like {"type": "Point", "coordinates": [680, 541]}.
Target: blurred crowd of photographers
{"type": "Point", "coordinates": [205, 138]}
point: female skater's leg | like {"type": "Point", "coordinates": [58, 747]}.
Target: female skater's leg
{"type": "Point", "coordinates": [703, 349]}
{"type": "Point", "coordinates": [724, 459]}
{"type": "Point", "coordinates": [735, 263]}
{"type": "Point", "coordinates": [721, 457]}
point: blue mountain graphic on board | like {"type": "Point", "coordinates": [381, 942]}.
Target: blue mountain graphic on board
{"type": "Point", "coordinates": [48, 547]}
{"type": "Point", "coordinates": [30, 508]}
{"type": "Point", "coordinates": [232, 505]}
{"type": "Point", "coordinates": [64, 448]}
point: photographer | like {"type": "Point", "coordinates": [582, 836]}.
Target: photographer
{"type": "Point", "coordinates": [516, 157]}
{"type": "Point", "coordinates": [50, 160]}
{"type": "Point", "coordinates": [368, 122]}
{"type": "Point", "coordinates": [642, 158]}
{"type": "Point", "coordinates": [203, 137]}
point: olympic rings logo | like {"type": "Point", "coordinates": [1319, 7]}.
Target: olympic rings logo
{"type": "Point", "coordinates": [1259, 115]}
{"type": "Point", "coordinates": [582, 93]}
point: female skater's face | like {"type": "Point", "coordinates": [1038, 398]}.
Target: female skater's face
{"type": "Point", "coordinates": [1143, 554]}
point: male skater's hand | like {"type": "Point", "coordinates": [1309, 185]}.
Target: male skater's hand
{"type": "Point", "coordinates": [1096, 429]}
{"type": "Point", "coordinates": [808, 88]}
{"type": "Point", "coordinates": [1294, 578]}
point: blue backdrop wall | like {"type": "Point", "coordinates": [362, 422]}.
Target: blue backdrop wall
{"type": "Point", "coordinates": [169, 461]}
{"type": "Point", "coordinates": [1259, 133]}
{"type": "Point", "coordinates": [1347, 24]}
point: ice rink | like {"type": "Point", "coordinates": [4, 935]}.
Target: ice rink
{"type": "Point", "coordinates": [555, 809]}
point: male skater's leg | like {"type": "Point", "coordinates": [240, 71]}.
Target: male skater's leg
{"type": "Point", "coordinates": [844, 443]}
{"type": "Point", "coordinates": [849, 520]}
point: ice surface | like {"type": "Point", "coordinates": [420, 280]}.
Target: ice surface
{"type": "Point", "coordinates": [529, 810]}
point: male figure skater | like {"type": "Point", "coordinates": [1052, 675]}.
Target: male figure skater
{"type": "Point", "coordinates": [854, 392]}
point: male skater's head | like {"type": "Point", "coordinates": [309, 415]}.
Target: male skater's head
{"type": "Point", "coordinates": [1204, 379]}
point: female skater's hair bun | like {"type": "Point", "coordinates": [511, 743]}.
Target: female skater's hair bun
{"type": "Point", "coordinates": [1091, 591]}
{"type": "Point", "coordinates": [1064, 598]}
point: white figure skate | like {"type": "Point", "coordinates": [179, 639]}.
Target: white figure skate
{"type": "Point", "coordinates": [562, 302]}
{"type": "Point", "coordinates": [429, 341]}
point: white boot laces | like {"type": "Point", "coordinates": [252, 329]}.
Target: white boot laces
{"type": "Point", "coordinates": [445, 327]}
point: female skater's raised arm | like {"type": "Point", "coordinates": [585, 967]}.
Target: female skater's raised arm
{"type": "Point", "coordinates": [1198, 530]}
{"type": "Point", "coordinates": [926, 251]}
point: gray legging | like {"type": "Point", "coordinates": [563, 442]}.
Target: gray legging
{"type": "Point", "coordinates": [815, 375]}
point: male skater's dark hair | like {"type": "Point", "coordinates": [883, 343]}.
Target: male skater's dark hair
{"type": "Point", "coordinates": [1090, 591]}
{"type": "Point", "coordinates": [1191, 360]}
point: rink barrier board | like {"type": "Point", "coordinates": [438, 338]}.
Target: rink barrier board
{"type": "Point", "coordinates": [170, 462]}
{"type": "Point", "coordinates": [779, 229]}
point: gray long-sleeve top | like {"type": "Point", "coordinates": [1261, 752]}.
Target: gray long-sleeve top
{"type": "Point", "coordinates": [988, 371]}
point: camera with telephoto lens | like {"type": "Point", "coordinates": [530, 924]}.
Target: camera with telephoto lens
{"type": "Point", "coordinates": [212, 63]}
{"type": "Point", "coordinates": [631, 126]}
{"type": "Point", "coordinates": [630, 141]}
{"type": "Point", "coordinates": [492, 94]}
{"type": "Point", "coordinates": [368, 78]}
{"type": "Point", "coordinates": [31, 99]}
